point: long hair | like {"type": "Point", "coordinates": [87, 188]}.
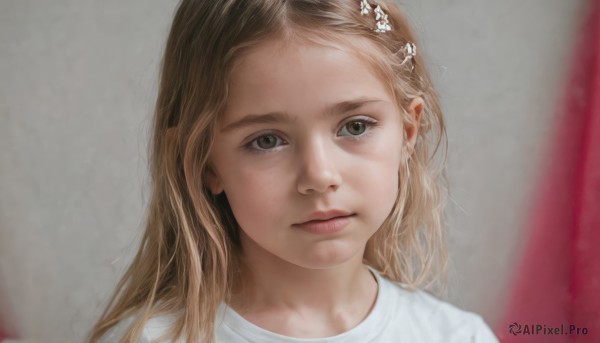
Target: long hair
{"type": "Point", "coordinates": [189, 254]}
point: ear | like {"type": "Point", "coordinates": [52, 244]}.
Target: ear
{"type": "Point", "coordinates": [213, 181]}
{"type": "Point", "coordinates": [411, 131]}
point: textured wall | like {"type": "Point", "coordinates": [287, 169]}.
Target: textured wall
{"type": "Point", "coordinates": [77, 85]}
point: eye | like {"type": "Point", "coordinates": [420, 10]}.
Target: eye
{"type": "Point", "coordinates": [266, 141]}
{"type": "Point", "coordinates": [263, 143]}
{"type": "Point", "coordinates": [355, 127]}
{"type": "Point", "coordinates": [358, 127]}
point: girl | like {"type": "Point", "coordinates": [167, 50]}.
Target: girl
{"type": "Point", "coordinates": [296, 197]}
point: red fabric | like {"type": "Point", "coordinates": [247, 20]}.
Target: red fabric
{"type": "Point", "coordinates": [558, 280]}
{"type": "Point", "coordinates": [7, 327]}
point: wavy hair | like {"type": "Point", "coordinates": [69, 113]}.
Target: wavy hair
{"type": "Point", "coordinates": [188, 257]}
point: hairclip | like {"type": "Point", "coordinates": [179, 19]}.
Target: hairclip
{"type": "Point", "coordinates": [410, 51]}
{"type": "Point", "coordinates": [382, 23]}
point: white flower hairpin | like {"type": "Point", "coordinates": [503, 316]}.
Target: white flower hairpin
{"type": "Point", "coordinates": [382, 24]}
{"type": "Point", "coordinates": [410, 51]}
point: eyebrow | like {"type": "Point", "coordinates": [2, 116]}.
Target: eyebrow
{"type": "Point", "coordinates": [276, 117]}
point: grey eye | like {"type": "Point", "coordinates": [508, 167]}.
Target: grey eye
{"type": "Point", "coordinates": [356, 127]}
{"type": "Point", "coordinates": [266, 142]}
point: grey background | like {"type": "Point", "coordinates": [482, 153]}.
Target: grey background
{"type": "Point", "coordinates": [77, 86]}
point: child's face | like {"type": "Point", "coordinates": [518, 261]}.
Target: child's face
{"type": "Point", "coordinates": [278, 173]}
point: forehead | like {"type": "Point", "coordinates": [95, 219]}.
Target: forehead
{"type": "Point", "coordinates": [300, 75]}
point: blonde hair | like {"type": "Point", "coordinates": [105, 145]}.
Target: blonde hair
{"type": "Point", "coordinates": [188, 257]}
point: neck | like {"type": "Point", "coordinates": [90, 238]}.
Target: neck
{"type": "Point", "coordinates": [270, 283]}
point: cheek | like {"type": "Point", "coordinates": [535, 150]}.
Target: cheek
{"type": "Point", "coordinates": [256, 197]}
{"type": "Point", "coordinates": [379, 181]}
{"type": "Point", "coordinates": [377, 176]}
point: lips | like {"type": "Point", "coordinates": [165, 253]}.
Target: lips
{"type": "Point", "coordinates": [325, 215]}
{"type": "Point", "coordinates": [328, 226]}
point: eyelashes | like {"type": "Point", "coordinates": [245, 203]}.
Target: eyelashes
{"type": "Point", "coordinates": [366, 123]}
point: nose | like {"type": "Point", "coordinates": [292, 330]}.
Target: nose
{"type": "Point", "coordinates": [317, 172]}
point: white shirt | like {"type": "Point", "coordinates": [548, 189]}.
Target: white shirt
{"type": "Point", "coordinates": [398, 316]}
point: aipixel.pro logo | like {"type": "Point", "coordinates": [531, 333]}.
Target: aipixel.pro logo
{"type": "Point", "coordinates": [542, 329]}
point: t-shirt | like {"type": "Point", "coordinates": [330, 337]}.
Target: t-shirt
{"type": "Point", "coordinates": [398, 315]}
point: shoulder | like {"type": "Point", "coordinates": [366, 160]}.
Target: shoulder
{"type": "Point", "coordinates": [152, 331]}
{"type": "Point", "coordinates": [432, 319]}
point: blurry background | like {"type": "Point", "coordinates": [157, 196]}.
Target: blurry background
{"type": "Point", "coordinates": [77, 85]}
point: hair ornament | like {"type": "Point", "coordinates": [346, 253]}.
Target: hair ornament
{"type": "Point", "coordinates": [365, 8]}
{"type": "Point", "coordinates": [410, 51]}
{"type": "Point", "coordinates": [382, 23]}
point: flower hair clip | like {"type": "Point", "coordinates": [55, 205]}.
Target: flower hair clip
{"type": "Point", "coordinates": [410, 51]}
{"type": "Point", "coordinates": [382, 23]}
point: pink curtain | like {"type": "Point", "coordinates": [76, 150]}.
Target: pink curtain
{"type": "Point", "coordinates": [558, 279]}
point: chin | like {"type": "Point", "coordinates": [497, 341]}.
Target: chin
{"type": "Point", "coordinates": [329, 254]}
